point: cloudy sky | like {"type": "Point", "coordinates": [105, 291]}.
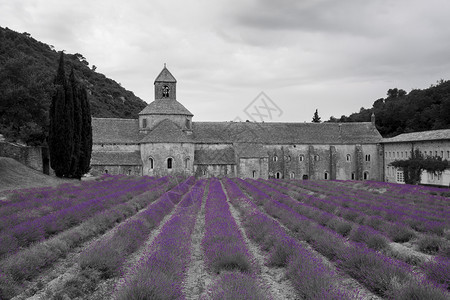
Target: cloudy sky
{"type": "Point", "coordinates": [333, 55]}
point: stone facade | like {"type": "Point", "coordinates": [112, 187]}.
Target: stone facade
{"type": "Point", "coordinates": [430, 143]}
{"type": "Point", "coordinates": [164, 140]}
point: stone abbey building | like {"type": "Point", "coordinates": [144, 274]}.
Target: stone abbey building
{"type": "Point", "coordinates": [165, 139]}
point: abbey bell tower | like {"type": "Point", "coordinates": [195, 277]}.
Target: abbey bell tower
{"type": "Point", "coordinates": [165, 85]}
{"type": "Point", "coordinates": [165, 106]}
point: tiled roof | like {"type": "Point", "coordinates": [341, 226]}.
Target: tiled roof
{"type": "Point", "coordinates": [285, 133]}
{"type": "Point", "coordinates": [117, 131]}
{"type": "Point", "coordinates": [250, 150]}
{"type": "Point", "coordinates": [165, 107]}
{"type": "Point", "coordinates": [215, 156]}
{"type": "Point", "coordinates": [167, 131]}
{"type": "Point", "coordinates": [116, 158]}
{"type": "Point", "coordinates": [442, 134]}
{"type": "Point", "coordinates": [165, 76]}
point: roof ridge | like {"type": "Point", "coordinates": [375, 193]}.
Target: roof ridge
{"type": "Point", "coordinates": [121, 119]}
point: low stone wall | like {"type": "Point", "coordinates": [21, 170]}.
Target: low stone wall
{"type": "Point", "coordinates": [29, 156]}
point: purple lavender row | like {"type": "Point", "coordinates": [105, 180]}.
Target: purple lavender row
{"type": "Point", "coordinates": [28, 263]}
{"type": "Point", "coordinates": [35, 197]}
{"type": "Point", "coordinates": [161, 274]}
{"type": "Point", "coordinates": [351, 210]}
{"type": "Point", "coordinates": [223, 244]}
{"type": "Point", "coordinates": [373, 238]}
{"type": "Point", "coordinates": [29, 213]}
{"type": "Point", "coordinates": [311, 278]}
{"type": "Point", "coordinates": [108, 255]}
{"type": "Point", "coordinates": [370, 198]}
{"type": "Point", "coordinates": [381, 274]}
{"type": "Point", "coordinates": [22, 235]}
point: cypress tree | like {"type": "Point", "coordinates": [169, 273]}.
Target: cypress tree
{"type": "Point", "coordinates": [60, 139]}
{"type": "Point", "coordinates": [77, 127]}
{"type": "Point", "coordinates": [86, 136]}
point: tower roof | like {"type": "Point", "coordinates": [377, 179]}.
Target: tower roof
{"type": "Point", "coordinates": [165, 76]}
{"type": "Point", "coordinates": [166, 131]}
{"type": "Point", "coordinates": [165, 107]}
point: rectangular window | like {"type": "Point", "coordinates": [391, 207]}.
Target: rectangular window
{"type": "Point", "coordinates": [144, 123]}
{"type": "Point", "coordinates": [400, 177]}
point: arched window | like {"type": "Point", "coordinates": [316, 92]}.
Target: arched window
{"type": "Point", "coordinates": [254, 174]}
{"type": "Point", "coordinates": [144, 123]}
{"type": "Point", "coordinates": [292, 175]}
{"type": "Point", "coordinates": [301, 157]}
{"type": "Point", "coordinates": [366, 175]}
{"type": "Point", "coordinates": [278, 175]}
{"type": "Point", "coordinates": [368, 157]}
{"type": "Point", "coordinates": [165, 91]}
{"type": "Point", "coordinates": [353, 175]}
{"type": "Point", "coordinates": [287, 158]}
{"type": "Point", "coordinates": [316, 157]}
{"type": "Point", "coordinates": [349, 157]}
{"type": "Point", "coordinates": [275, 158]}
{"type": "Point", "coordinates": [106, 171]}
{"type": "Point", "coordinates": [129, 172]}
{"type": "Point", "coordinates": [188, 124]}
{"type": "Point", "coordinates": [204, 171]}
{"type": "Point", "coordinates": [187, 163]}
{"type": "Point", "coordinates": [151, 162]}
{"type": "Point", "coordinates": [325, 175]}
{"type": "Point", "coordinates": [169, 163]}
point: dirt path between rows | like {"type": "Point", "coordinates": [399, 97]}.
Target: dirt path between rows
{"type": "Point", "coordinates": [273, 279]}
{"type": "Point", "coordinates": [197, 278]}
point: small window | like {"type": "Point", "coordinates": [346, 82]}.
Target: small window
{"type": "Point", "coordinates": [435, 153]}
{"type": "Point", "coordinates": [144, 123]}
{"type": "Point", "coordinates": [129, 172]}
{"type": "Point", "coordinates": [275, 158]}
{"type": "Point", "coordinates": [292, 175]}
{"type": "Point", "coordinates": [165, 91]}
{"type": "Point", "coordinates": [204, 171]}
{"type": "Point", "coordinates": [302, 157]}
{"type": "Point", "coordinates": [305, 177]}
{"type": "Point", "coordinates": [169, 163]}
{"type": "Point", "coordinates": [366, 175]}
{"type": "Point", "coordinates": [316, 157]}
{"type": "Point", "coordinates": [353, 175]}
{"type": "Point", "coordinates": [278, 175]}
{"type": "Point", "coordinates": [349, 157]}
{"type": "Point", "coordinates": [448, 154]}
{"type": "Point", "coordinates": [254, 174]}
{"type": "Point", "coordinates": [367, 157]}
{"type": "Point", "coordinates": [325, 175]}
{"type": "Point", "coordinates": [187, 163]}
{"type": "Point", "coordinates": [106, 171]}
{"type": "Point", "coordinates": [188, 124]}
{"type": "Point", "coordinates": [287, 158]}
{"type": "Point", "coordinates": [151, 162]}
{"type": "Point", "coordinates": [386, 154]}
{"type": "Point", "coordinates": [442, 154]}
{"type": "Point", "coordinates": [400, 177]}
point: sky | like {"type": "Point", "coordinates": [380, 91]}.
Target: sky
{"type": "Point", "coordinates": [268, 60]}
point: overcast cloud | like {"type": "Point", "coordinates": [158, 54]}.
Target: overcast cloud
{"type": "Point", "coordinates": [336, 56]}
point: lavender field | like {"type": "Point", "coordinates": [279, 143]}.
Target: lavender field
{"type": "Point", "coordinates": [122, 237]}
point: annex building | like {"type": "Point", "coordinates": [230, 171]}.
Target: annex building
{"type": "Point", "coordinates": [164, 139]}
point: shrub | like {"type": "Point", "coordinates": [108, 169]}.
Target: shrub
{"type": "Point", "coordinates": [416, 291]}
{"type": "Point", "coordinates": [377, 242]}
{"type": "Point", "coordinates": [437, 270]}
{"type": "Point", "coordinates": [399, 233]}
{"type": "Point", "coordinates": [340, 226]}
{"type": "Point", "coordinates": [430, 244]}
{"type": "Point", "coordinates": [236, 286]}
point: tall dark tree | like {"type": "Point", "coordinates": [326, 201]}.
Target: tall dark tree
{"type": "Point", "coordinates": [77, 126]}
{"type": "Point", "coordinates": [316, 118]}
{"type": "Point", "coordinates": [60, 140]}
{"type": "Point", "coordinates": [86, 136]}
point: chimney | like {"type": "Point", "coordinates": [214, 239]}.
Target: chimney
{"type": "Point", "coordinates": [372, 119]}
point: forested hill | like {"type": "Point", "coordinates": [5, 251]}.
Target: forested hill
{"type": "Point", "coordinates": [27, 71]}
{"type": "Point", "coordinates": [402, 112]}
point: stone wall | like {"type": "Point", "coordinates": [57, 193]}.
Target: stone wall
{"type": "Point", "coordinates": [180, 153]}
{"type": "Point", "coordinates": [254, 168]}
{"type": "Point", "coordinates": [116, 170]}
{"type": "Point", "coordinates": [29, 156]}
{"type": "Point", "coordinates": [153, 120]}
{"type": "Point", "coordinates": [208, 171]}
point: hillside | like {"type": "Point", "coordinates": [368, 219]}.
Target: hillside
{"type": "Point", "coordinates": [27, 70]}
{"type": "Point", "coordinates": [401, 112]}
{"type": "Point", "coordinates": [14, 175]}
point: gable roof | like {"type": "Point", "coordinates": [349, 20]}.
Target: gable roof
{"type": "Point", "coordinates": [167, 131]}
{"type": "Point", "coordinates": [431, 135]}
{"type": "Point", "coordinates": [285, 133]}
{"type": "Point", "coordinates": [165, 107]}
{"type": "Point", "coordinates": [114, 131]}
{"type": "Point", "coordinates": [165, 76]}
{"type": "Point", "coordinates": [215, 156]}
{"type": "Point", "coordinates": [250, 150]}
{"type": "Point", "coordinates": [116, 158]}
